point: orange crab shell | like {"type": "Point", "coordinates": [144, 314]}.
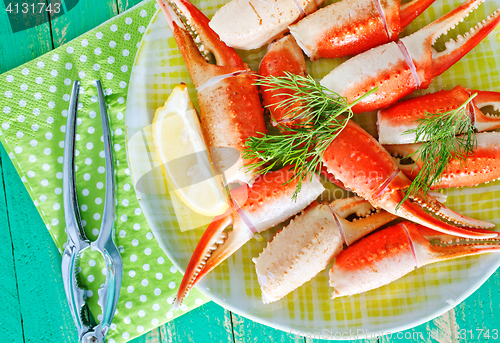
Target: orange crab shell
{"type": "Point", "coordinates": [482, 166]}
{"type": "Point", "coordinates": [399, 69]}
{"type": "Point", "coordinates": [394, 122]}
{"type": "Point", "coordinates": [282, 56]}
{"type": "Point", "coordinates": [386, 253]}
{"type": "Point", "coordinates": [355, 147]}
{"type": "Point", "coordinates": [391, 253]}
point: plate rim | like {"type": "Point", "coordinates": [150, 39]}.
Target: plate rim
{"type": "Point", "coordinates": [473, 287]}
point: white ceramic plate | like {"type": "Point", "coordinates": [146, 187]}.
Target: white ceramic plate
{"type": "Point", "coordinates": [410, 301]}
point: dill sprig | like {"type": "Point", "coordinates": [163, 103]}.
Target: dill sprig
{"type": "Point", "coordinates": [319, 115]}
{"type": "Point", "coordinates": [444, 136]}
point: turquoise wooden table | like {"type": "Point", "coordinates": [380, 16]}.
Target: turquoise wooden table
{"type": "Point", "coordinates": [33, 305]}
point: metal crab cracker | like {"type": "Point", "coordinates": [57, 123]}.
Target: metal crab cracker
{"type": "Point", "coordinates": [88, 328]}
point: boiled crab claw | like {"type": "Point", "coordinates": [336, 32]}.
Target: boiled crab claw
{"type": "Point", "coordinates": [251, 24]}
{"type": "Point", "coordinates": [269, 202]}
{"type": "Point", "coordinates": [283, 55]}
{"type": "Point", "coordinates": [357, 161]}
{"type": "Point", "coordinates": [482, 166]}
{"type": "Point", "coordinates": [391, 253]}
{"type": "Point", "coordinates": [398, 69]}
{"type": "Point", "coordinates": [393, 122]}
{"type": "Point", "coordinates": [310, 241]}
{"type": "Point", "coordinates": [230, 108]}
{"type": "Point", "coordinates": [361, 163]}
{"type": "Point", "coordinates": [350, 27]}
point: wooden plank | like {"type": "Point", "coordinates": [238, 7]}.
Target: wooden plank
{"type": "Point", "coordinates": [44, 309]}
{"type": "Point", "coordinates": [246, 330]}
{"type": "Point", "coordinates": [152, 336]}
{"type": "Point", "coordinates": [439, 329]}
{"type": "Point", "coordinates": [124, 5]}
{"type": "Point", "coordinates": [207, 323]}
{"type": "Point", "coordinates": [83, 17]}
{"type": "Point", "coordinates": [326, 335]}
{"type": "Point", "coordinates": [10, 311]}
{"type": "Point", "coordinates": [477, 317]}
{"type": "Point", "coordinates": [29, 43]}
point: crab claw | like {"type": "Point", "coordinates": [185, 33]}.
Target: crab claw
{"type": "Point", "coordinates": [393, 122]}
{"type": "Point", "coordinates": [414, 210]}
{"type": "Point", "coordinates": [485, 121]}
{"type": "Point", "coordinates": [428, 62]}
{"type": "Point", "coordinates": [351, 27]}
{"type": "Point", "coordinates": [311, 240]}
{"type": "Point", "coordinates": [282, 56]}
{"type": "Point", "coordinates": [200, 70]}
{"type": "Point", "coordinates": [398, 69]}
{"type": "Point", "coordinates": [230, 108]}
{"type": "Point", "coordinates": [391, 253]}
{"type": "Point", "coordinates": [364, 166]}
{"type": "Point", "coordinates": [269, 202]}
{"type": "Point", "coordinates": [482, 166]}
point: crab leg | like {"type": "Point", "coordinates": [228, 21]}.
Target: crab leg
{"type": "Point", "coordinates": [309, 243]}
{"type": "Point", "coordinates": [405, 115]}
{"type": "Point", "coordinates": [363, 165]}
{"type": "Point", "coordinates": [230, 106]}
{"type": "Point", "coordinates": [351, 27]}
{"type": "Point", "coordinates": [389, 254]}
{"type": "Point", "coordinates": [481, 167]}
{"type": "Point", "coordinates": [269, 202]}
{"type": "Point", "coordinates": [397, 69]}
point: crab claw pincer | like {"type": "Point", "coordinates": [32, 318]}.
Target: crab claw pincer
{"type": "Point", "coordinates": [398, 69]}
{"type": "Point", "coordinates": [350, 27]}
{"type": "Point", "coordinates": [268, 203]}
{"type": "Point", "coordinates": [363, 165]}
{"type": "Point", "coordinates": [391, 253]}
{"type": "Point", "coordinates": [230, 109]}
{"type": "Point", "coordinates": [393, 122]}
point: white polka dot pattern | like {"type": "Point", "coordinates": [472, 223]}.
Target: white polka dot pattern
{"type": "Point", "coordinates": [35, 98]}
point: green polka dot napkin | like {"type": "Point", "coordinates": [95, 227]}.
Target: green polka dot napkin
{"type": "Point", "coordinates": [34, 101]}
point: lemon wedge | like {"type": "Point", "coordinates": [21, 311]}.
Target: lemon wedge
{"type": "Point", "coordinates": [184, 157]}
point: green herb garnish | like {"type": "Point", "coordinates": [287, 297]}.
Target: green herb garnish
{"type": "Point", "coordinates": [320, 116]}
{"type": "Point", "coordinates": [443, 136]}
